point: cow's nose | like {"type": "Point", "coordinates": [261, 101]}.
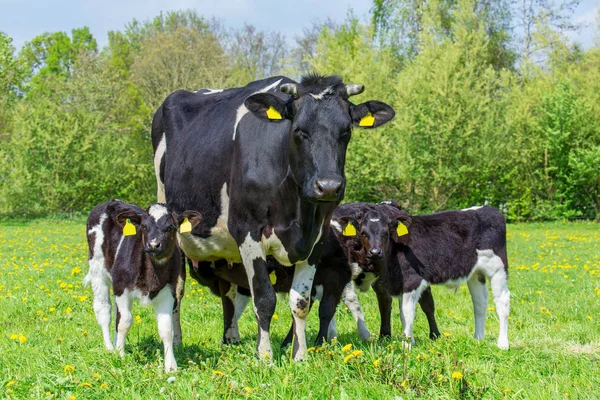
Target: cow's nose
{"type": "Point", "coordinates": [153, 246]}
{"type": "Point", "coordinates": [375, 252]}
{"type": "Point", "coordinates": [328, 189]}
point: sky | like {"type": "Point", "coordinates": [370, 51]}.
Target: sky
{"type": "Point", "coordinates": [23, 20]}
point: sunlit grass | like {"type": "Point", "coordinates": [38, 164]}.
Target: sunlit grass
{"type": "Point", "coordinates": [51, 346]}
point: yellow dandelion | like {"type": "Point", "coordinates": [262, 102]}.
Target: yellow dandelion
{"type": "Point", "coordinates": [75, 271]}
{"type": "Point", "coordinates": [22, 338]}
{"type": "Point", "coordinates": [84, 333]}
{"type": "Point", "coordinates": [68, 310]}
{"type": "Point", "coordinates": [217, 372]}
{"type": "Point", "coordinates": [69, 369]}
{"type": "Point", "coordinates": [85, 384]}
{"type": "Point", "coordinates": [404, 384]}
{"type": "Point", "coordinates": [96, 375]}
{"type": "Point", "coordinates": [446, 334]}
{"type": "Point", "coordinates": [14, 336]}
{"type": "Point", "coordinates": [59, 340]}
{"type": "Point", "coordinates": [310, 349]}
{"type": "Point", "coordinates": [52, 309]}
{"type": "Point", "coordinates": [10, 383]}
{"type": "Point", "coordinates": [347, 347]}
{"type": "Point", "coordinates": [348, 358]}
{"type": "Point", "coordinates": [377, 362]}
{"type": "Point", "coordinates": [104, 385]}
{"type": "Point", "coordinates": [275, 316]}
{"type": "Point", "coordinates": [71, 397]}
{"type": "Point", "coordinates": [357, 353]}
{"type": "Point", "coordinates": [457, 375]}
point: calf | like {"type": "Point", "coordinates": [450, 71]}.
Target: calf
{"type": "Point", "coordinates": [444, 248]}
{"type": "Point", "coordinates": [136, 252]}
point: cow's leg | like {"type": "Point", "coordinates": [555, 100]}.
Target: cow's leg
{"type": "Point", "coordinates": [384, 300]}
{"type": "Point", "coordinates": [163, 306]}
{"type": "Point", "coordinates": [124, 319]}
{"type": "Point", "coordinates": [263, 294]}
{"type": "Point", "coordinates": [409, 305]}
{"type": "Point", "coordinates": [290, 335]}
{"type": "Point", "coordinates": [327, 307]}
{"type": "Point", "coordinates": [479, 296]}
{"type": "Point", "coordinates": [332, 329]}
{"type": "Point", "coordinates": [300, 304]}
{"type": "Point", "coordinates": [102, 306]}
{"type": "Point", "coordinates": [179, 294]}
{"type": "Point", "coordinates": [351, 300]}
{"type": "Point", "coordinates": [428, 307]}
{"type": "Point", "coordinates": [228, 291]}
{"type": "Point", "coordinates": [501, 294]}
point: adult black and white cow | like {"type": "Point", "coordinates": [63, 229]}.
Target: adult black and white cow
{"type": "Point", "coordinates": [264, 165]}
{"type": "Point", "coordinates": [444, 248]}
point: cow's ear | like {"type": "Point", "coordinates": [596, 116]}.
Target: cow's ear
{"type": "Point", "coordinates": [267, 106]}
{"type": "Point", "coordinates": [400, 228]}
{"type": "Point", "coordinates": [371, 114]}
{"type": "Point", "coordinates": [188, 221]}
{"type": "Point", "coordinates": [129, 215]}
{"type": "Point", "coordinates": [348, 225]}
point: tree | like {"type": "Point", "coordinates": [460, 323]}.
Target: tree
{"type": "Point", "coordinates": [11, 74]}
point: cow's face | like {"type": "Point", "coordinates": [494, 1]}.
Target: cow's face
{"type": "Point", "coordinates": [322, 119]}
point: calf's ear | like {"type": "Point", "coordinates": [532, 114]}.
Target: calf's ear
{"type": "Point", "coordinates": [371, 114]}
{"type": "Point", "coordinates": [399, 228]}
{"type": "Point", "coordinates": [349, 226]}
{"type": "Point", "coordinates": [267, 106]}
{"type": "Point", "coordinates": [133, 217]}
{"type": "Point", "coordinates": [188, 221]}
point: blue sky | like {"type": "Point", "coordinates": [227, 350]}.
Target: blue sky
{"type": "Point", "coordinates": [23, 20]}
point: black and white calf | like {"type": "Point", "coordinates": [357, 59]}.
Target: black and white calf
{"type": "Point", "coordinates": [135, 252]}
{"type": "Point", "coordinates": [445, 248]}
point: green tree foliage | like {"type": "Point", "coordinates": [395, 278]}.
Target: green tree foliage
{"type": "Point", "coordinates": [11, 74]}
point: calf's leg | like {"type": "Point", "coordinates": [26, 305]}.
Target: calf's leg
{"type": "Point", "coordinates": [428, 307]}
{"type": "Point", "coordinates": [102, 307]}
{"type": "Point", "coordinates": [163, 307]}
{"type": "Point", "coordinates": [479, 296]}
{"type": "Point", "coordinates": [351, 300]}
{"type": "Point", "coordinates": [300, 304]}
{"type": "Point", "coordinates": [384, 301]}
{"type": "Point", "coordinates": [409, 305]}
{"type": "Point", "coordinates": [124, 320]}
{"type": "Point", "coordinates": [179, 294]}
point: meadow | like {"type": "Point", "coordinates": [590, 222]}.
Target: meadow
{"type": "Point", "coordinates": [51, 346]}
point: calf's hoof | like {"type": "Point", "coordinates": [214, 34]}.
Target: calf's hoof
{"type": "Point", "coordinates": [503, 344]}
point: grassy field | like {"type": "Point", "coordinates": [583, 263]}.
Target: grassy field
{"type": "Point", "coordinates": [51, 346]}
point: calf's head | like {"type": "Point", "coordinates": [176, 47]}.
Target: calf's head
{"type": "Point", "coordinates": [321, 118]}
{"type": "Point", "coordinates": [158, 228]}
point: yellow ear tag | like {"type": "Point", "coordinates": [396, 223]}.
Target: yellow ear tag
{"type": "Point", "coordinates": [349, 230]}
{"type": "Point", "coordinates": [367, 120]}
{"type": "Point", "coordinates": [273, 113]}
{"type": "Point", "coordinates": [401, 230]}
{"type": "Point", "coordinates": [129, 229]}
{"type": "Point", "coordinates": [273, 277]}
{"type": "Point", "coordinates": [186, 226]}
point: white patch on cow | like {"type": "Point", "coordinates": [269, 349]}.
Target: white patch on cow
{"type": "Point", "coordinates": [356, 270]}
{"type": "Point", "coordinates": [274, 247]}
{"type": "Point", "coordinates": [374, 219]}
{"type": "Point", "coordinates": [320, 96]}
{"type": "Point", "coordinates": [241, 302]}
{"type": "Point", "coordinates": [299, 304]}
{"type": "Point", "coordinates": [212, 91]}
{"type": "Point", "coordinates": [350, 299]}
{"type": "Point", "coordinates": [471, 208]}
{"type": "Point", "coordinates": [161, 149]}
{"type": "Point", "coordinates": [479, 296]}
{"type": "Point", "coordinates": [318, 292]}
{"type": "Point", "coordinates": [336, 225]}
{"type": "Point", "coordinates": [123, 305]}
{"type": "Point", "coordinates": [409, 304]}
{"type": "Point", "coordinates": [99, 278]}
{"type": "Point", "coordinates": [157, 211]}
{"type": "Point", "coordinates": [251, 250]}
{"type": "Point", "coordinates": [242, 110]}
{"type": "Point", "coordinates": [179, 293]}
{"type": "Point", "coordinates": [219, 245]}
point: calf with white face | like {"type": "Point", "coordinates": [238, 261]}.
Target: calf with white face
{"type": "Point", "coordinates": [135, 252]}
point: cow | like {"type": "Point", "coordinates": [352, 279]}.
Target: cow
{"type": "Point", "coordinates": [446, 248]}
{"type": "Point", "coordinates": [264, 165]}
{"type": "Point", "coordinates": [135, 253]}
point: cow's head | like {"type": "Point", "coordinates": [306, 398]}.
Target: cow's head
{"type": "Point", "coordinates": [322, 119]}
{"type": "Point", "coordinates": [158, 228]}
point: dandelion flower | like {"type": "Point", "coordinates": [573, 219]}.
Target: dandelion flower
{"type": "Point", "coordinates": [68, 310]}
{"type": "Point", "coordinates": [446, 334]}
{"type": "Point", "coordinates": [347, 347]}
{"type": "Point", "coordinates": [217, 372]}
{"type": "Point", "coordinates": [457, 375]}
{"type": "Point", "coordinates": [22, 338]}
{"type": "Point", "coordinates": [357, 353]}
{"type": "Point", "coordinates": [348, 358]}
{"type": "Point", "coordinates": [10, 383]}
{"type": "Point", "coordinates": [14, 336]}
{"type": "Point", "coordinates": [377, 362]}
{"type": "Point", "coordinates": [85, 384]}
{"type": "Point", "coordinates": [104, 385]}
{"type": "Point", "coordinates": [69, 369]}
{"type": "Point", "coordinates": [275, 316]}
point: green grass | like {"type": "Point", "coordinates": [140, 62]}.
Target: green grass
{"type": "Point", "coordinates": [553, 329]}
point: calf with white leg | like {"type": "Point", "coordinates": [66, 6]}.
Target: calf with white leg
{"type": "Point", "coordinates": [135, 252]}
{"type": "Point", "coordinates": [447, 248]}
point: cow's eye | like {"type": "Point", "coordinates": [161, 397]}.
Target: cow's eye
{"type": "Point", "coordinates": [300, 134]}
{"type": "Point", "coordinates": [171, 228]}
